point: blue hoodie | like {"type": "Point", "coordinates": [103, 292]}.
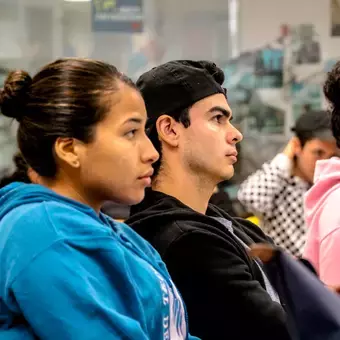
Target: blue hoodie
{"type": "Point", "coordinates": [69, 273]}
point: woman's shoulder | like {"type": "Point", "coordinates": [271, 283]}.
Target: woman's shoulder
{"type": "Point", "coordinates": [30, 229]}
{"type": "Point", "coordinates": [138, 241]}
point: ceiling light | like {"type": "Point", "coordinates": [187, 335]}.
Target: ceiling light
{"type": "Point", "coordinates": [77, 0]}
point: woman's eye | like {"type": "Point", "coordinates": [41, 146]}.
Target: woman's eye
{"type": "Point", "coordinates": [131, 133]}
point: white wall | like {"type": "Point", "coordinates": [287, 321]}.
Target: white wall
{"type": "Point", "coordinates": [260, 22]}
{"type": "Point", "coordinates": [34, 32]}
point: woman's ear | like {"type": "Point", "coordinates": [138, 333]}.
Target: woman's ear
{"type": "Point", "coordinates": [67, 151]}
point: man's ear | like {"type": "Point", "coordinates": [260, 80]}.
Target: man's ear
{"type": "Point", "coordinates": [168, 130]}
{"type": "Point", "coordinates": [66, 149]}
{"type": "Point", "coordinates": [297, 147]}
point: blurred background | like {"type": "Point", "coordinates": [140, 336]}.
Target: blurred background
{"type": "Point", "coordinates": [275, 54]}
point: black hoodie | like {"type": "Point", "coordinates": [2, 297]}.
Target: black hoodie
{"type": "Point", "coordinates": [222, 286]}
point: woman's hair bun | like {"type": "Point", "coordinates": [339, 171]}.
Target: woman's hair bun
{"type": "Point", "coordinates": [13, 97]}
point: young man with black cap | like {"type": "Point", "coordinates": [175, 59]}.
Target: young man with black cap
{"type": "Point", "coordinates": [227, 294]}
{"type": "Point", "coordinates": [275, 192]}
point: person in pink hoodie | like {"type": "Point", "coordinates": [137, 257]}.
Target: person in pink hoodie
{"type": "Point", "coordinates": [322, 201]}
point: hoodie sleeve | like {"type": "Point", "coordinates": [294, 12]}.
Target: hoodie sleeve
{"type": "Point", "coordinates": [222, 298]}
{"type": "Point", "coordinates": [63, 294]}
{"type": "Point", "coordinates": [257, 193]}
{"type": "Point", "coordinates": [329, 258]}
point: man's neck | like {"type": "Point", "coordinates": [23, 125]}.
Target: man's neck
{"type": "Point", "coordinates": [298, 173]}
{"type": "Point", "coordinates": [188, 189]}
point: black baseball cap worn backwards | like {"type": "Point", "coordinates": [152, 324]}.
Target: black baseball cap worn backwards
{"type": "Point", "coordinates": [179, 84]}
{"type": "Point", "coordinates": [314, 124]}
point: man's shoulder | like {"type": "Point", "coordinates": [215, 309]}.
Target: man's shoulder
{"type": "Point", "coordinates": [252, 230]}
{"type": "Point", "coordinates": [212, 227]}
{"type": "Point", "coordinates": [163, 219]}
{"type": "Point", "coordinates": [242, 226]}
{"type": "Point", "coordinates": [182, 227]}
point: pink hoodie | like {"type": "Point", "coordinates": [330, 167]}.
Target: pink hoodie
{"type": "Point", "coordinates": [322, 212]}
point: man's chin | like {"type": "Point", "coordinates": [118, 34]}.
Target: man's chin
{"type": "Point", "coordinates": [228, 174]}
{"type": "Point", "coordinates": [224, 177]}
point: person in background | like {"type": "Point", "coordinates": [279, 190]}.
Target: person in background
{"type": "Point", "coordinates": [227, 294]}
{"type": "Point", "coordinates": [275, 192]}
{"type": "Point", "coordinates": [322, 200]}
{"type": "Point", "coordinates": [68, 271]}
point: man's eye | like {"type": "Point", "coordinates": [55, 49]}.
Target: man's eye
{"type": "Point", "coordinates": [220, 118]}
{"type": "Point", "coordinates": [318, 153]}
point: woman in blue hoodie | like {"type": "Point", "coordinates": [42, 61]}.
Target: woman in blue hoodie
{"type": "Point", "coordinates": [66, 270]}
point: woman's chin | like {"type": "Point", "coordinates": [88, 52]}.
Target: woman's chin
{"type": "Point", "coordinates": [132, 199]}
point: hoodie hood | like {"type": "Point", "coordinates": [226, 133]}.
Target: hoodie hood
{"type": "Point", "coordinates": [82, 263]}
{"type": "Point", "coordinates": [326, 182]}
{"type": "Point", "coordinates": [156, 211]}
{"type": "Point", "coordinates": [17, 194]}
{"type": "Point", "coordinates": [161, 218]}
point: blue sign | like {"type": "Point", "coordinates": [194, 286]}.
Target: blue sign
{"type": "Point", "coordinates": [272, 59]}
{"type": "Point", "coordinates": [117, 15]}
{"type": "Point", "coordinates": [329, 64]}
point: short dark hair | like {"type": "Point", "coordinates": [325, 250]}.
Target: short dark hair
{"type": "Point", "coordinates": [331, 90]}
{"type": "Point", "coordinates": [67, 98]}
{"type": "Point", "coordinates": [303, 137]}
{"type": "Point", "coordinates": [181, 116]}
{"type": "Point", "coordinates": [313, 124]}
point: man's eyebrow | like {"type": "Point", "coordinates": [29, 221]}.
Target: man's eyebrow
{"type": "Point", "coordinates": [222, 110]}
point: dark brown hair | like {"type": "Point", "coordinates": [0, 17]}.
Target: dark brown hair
{"type": "Point", "coordinates": [331, 90]}
{"type": "Point", "coordinates": [65, 99]}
